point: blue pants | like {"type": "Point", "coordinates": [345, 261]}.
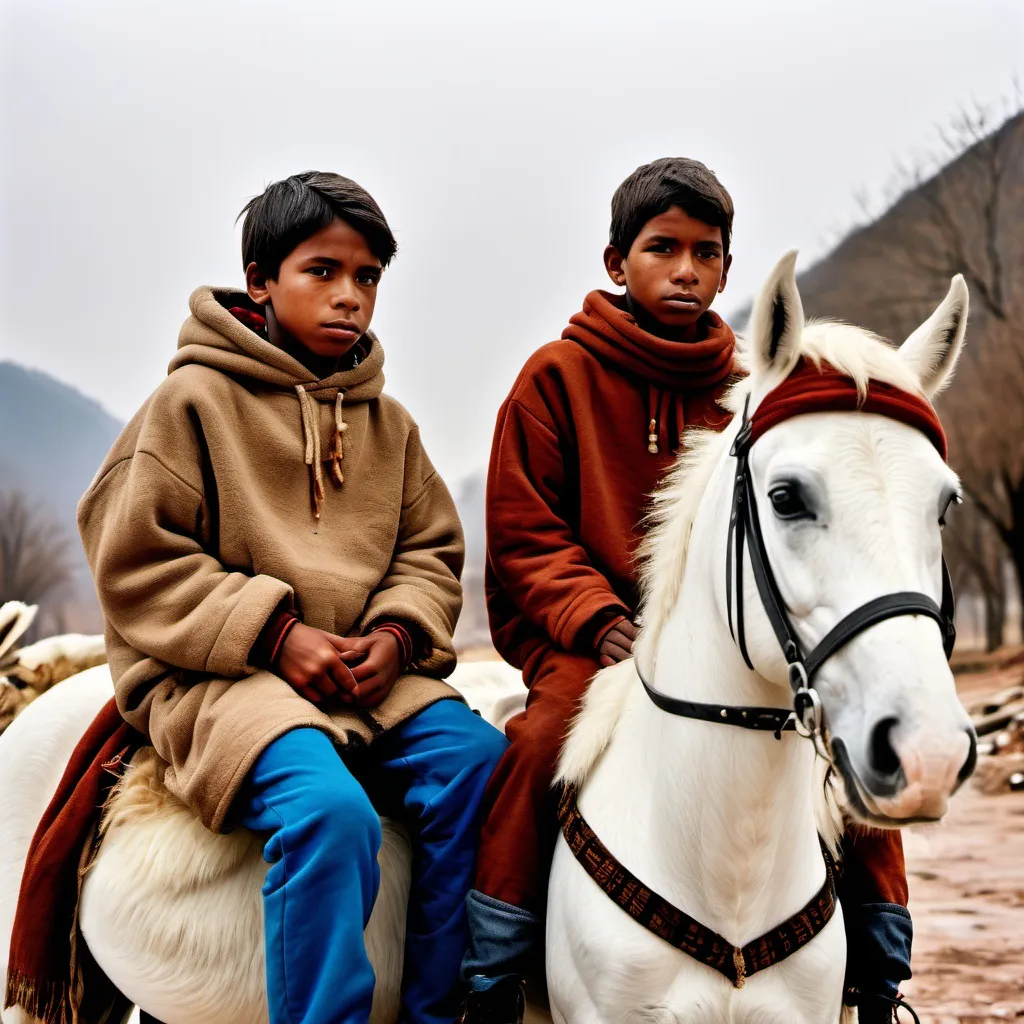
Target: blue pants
{"type": "Point", "coordinates": [323, 835]}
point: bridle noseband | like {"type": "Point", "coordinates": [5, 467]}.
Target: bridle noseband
{"type": "Point", "coordinates": [745, 532]}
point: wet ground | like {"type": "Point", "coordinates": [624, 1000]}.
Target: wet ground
{"type": "Point", "coordinates": [967, 891]}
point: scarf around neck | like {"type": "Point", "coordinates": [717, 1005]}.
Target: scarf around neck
{"type": "Point", "coordinates": [607, 329]}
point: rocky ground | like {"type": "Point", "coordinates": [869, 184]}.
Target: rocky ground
{"type": "Point", "coordinates": [967, 874]}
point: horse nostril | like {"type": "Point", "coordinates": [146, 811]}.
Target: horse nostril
{"type": "Point", "coordinates": [884, 760]}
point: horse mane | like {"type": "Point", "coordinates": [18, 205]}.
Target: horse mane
{"type": "Point", "coordinates": [853, 351]}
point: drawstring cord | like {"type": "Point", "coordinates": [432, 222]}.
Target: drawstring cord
{"type": "Point", "coordinates": [309, 409]}
{"type": "Point", "coordinates": [337, 452]}
{"type": "Point", "coordinates": [658, 403]}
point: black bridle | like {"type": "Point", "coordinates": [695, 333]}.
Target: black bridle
{"type": "Point", "coordinates": [806, 716]}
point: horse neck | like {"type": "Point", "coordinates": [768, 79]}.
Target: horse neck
{"type": "Point", "coordinates": [746, 795]}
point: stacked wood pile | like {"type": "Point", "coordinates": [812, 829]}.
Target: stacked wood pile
{"type": "Point", "coordinates": [999, 721]}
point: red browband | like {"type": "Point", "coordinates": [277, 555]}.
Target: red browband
{"type": "Point", "coordinates": [810, 389]}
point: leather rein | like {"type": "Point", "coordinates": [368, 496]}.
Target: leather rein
{"type": "Point", "coordinates": [806, 717]}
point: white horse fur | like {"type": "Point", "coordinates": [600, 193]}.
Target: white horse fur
{"type": "Point", "coordinates": [721, 821]}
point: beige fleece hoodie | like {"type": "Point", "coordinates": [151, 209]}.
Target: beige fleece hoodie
{"type": "Point", "coordinates": [221, 500]}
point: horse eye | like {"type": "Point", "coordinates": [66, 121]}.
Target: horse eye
{"type": "Point", "coordinates": [788, 502]}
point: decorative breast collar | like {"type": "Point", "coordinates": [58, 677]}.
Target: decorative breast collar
{"type": "Point", "coordinates": [678, 928]}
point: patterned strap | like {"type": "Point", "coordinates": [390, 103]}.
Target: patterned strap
{"type": "Point", "coordinates": [668, 922]}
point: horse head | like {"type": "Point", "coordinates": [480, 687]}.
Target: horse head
{"type": "Point", "coordinates": [850, 506]}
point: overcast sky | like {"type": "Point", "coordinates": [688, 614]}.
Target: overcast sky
{"type": "Point", "coordinates": [492, 134]}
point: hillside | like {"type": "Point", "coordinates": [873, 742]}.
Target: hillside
{"type": "Point", "coordinates": [54, 439]}
{"type": "Point", "coordinates": [967, 218]}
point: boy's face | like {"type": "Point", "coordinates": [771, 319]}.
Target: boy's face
{"type": "Point", "coordinates": [674, 268]}
{"type": "Point", "coordinates": [325, 291]}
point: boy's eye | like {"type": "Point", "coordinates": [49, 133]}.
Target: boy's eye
{"type": "Point", "coordinates": [709, 254]}
{"type": "Point", "coordinates": [368, 279]}
{"type": "Point", "coordinates": [317, 271]}
{"type": "Point", "coordinates": [659, 247]}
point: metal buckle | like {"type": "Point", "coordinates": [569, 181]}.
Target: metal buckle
{"type": "Point", "coordinates": [807, 711]}
{"type": "Point", "coordinates": [798, 676]}
{"type": "Point", "coordinates": [807, 705]}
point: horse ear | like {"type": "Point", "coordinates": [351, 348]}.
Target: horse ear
{"type": "Point", "coordinates": [933, 349]}
{"type": "Point", "coordinates": [777, 321]}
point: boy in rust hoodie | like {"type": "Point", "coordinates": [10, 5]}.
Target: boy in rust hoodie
{"type": "Point", "coordinates": [278, 564]}
{"type": "Point", "coordinates": [591, 424]}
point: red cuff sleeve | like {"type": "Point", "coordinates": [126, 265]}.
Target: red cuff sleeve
{"type": "Point", "coordinates": [604, 623]}
{"type": "Point", "coordinates": [406, 649]}
{"type": "Point", "coordinates": [268, 644]}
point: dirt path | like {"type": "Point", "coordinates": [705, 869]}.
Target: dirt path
{"type": "Point", "coordinates": [967, 898]}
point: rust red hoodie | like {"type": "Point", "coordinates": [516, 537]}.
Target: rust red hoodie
{"type": "Point", "coordinates": [590, 426]}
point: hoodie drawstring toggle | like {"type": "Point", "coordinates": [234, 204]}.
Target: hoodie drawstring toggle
{"type": "Point", "coordinates": [662, 406]}
{"type": "Point", "coordinates": [311, 435]}
{"type": "Point", "coordinates": [652, 437]}
{"type": "Point", "coordinates": [337, 452]}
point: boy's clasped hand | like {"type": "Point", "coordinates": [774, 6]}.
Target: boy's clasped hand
{"type": "Point", "coordinates": [320, 666]}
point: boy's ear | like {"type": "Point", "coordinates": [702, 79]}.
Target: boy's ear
{"type": "Point", "coordinates": [613, 261]}
{"type": "Point", "coordinates": [725, 274]}
{"type": "Point", "coordinates": [256, 285]}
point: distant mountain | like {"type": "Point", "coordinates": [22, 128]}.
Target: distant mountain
{"type": "Point", "coordinates": [52, 441]}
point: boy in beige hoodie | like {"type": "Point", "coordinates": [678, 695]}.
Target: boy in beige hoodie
{"type": "Point", "coordinates": [278, 564]}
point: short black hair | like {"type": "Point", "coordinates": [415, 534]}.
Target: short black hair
{"type": "Point", "coordinates": [288, 212]}
{"type": "Point", "coordinates": [656, 187]}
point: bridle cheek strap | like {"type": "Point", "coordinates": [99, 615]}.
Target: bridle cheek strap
{"type": "Point", "coordinates": [825, 390]}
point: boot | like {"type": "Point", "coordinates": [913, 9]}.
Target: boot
{"type": "Point", "coordinates": [502, 1003]}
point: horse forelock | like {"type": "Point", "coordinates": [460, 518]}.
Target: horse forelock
{"type": "Point", "coordinates": [855, 352]}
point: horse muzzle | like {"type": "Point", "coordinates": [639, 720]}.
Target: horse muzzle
{"type": "Point", "coordinates": [904, 777]}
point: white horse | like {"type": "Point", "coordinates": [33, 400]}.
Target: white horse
{"type": "Point", "coordinates": [171, 912]}
{"type": "Point", "coordinates": [721, 822]}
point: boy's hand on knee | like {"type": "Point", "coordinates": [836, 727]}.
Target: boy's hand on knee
{"type": "Point", "coordinates": [617, 644]}
{"type": "Point", "coordinates": [312, 663]}
{"type": "Point", "coordinates": [379, 667]}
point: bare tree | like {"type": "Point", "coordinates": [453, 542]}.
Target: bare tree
{"type": "Point", "coordinates": [974, 223]}
{"type": "Point", "coordinates": [960, 210]}
{"type": "Point", "coordinates": [977, 564]}
{"type": "Point", "coordinates": [35, 562]}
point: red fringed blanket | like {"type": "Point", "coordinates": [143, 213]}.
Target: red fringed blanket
{"type": "Point", "coordinates": [44, 972]}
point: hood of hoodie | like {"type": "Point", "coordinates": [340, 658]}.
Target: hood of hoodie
{"type": "Point", "coordinates": [212, 336]}
{"type": "Point", "coordinates": [606, 328]}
